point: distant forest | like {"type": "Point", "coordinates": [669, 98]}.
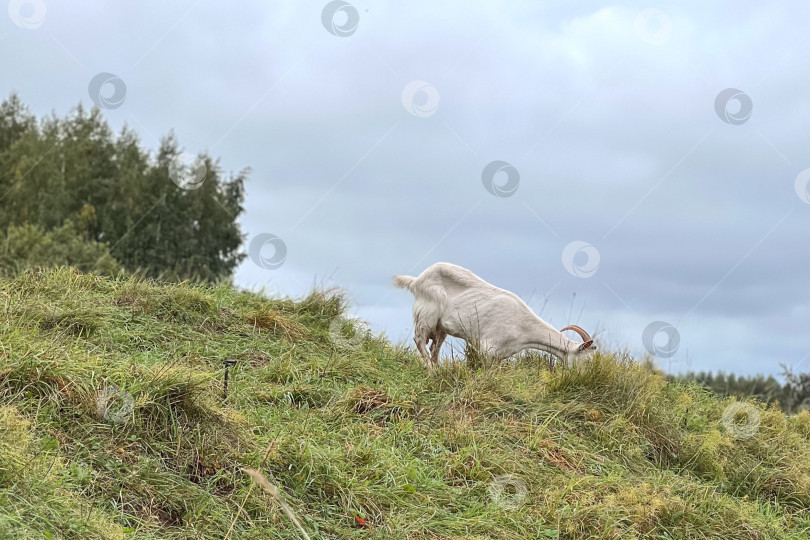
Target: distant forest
{"type": "Point", "coordinates": [792, 397]}
{"type": "Point", "coordinates": [73, 193]}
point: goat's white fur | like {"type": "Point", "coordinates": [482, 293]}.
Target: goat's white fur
{"type": "Point", "coordinates": [451, 300]}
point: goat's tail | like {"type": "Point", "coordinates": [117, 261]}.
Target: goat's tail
{"type": "Point", "coordinates": [404, 282]}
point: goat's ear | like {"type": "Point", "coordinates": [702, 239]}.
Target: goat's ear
{"type": "Point", "coordinates": [585, 346]}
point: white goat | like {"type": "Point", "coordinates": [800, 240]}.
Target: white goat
{"type": "Point", "coordinates": [451, 300]}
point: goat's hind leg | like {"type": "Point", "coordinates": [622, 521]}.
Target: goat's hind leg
{"type": "Point", "coordinates": [438, 338]}
{"type": "Point", "coordinates": [421, 337]}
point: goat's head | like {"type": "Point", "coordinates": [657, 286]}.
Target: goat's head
{"type": "Point", "coordinates": [586, 348]}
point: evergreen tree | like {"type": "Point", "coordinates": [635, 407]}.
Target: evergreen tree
{"type": "Point", "coordinates": [75, 169]}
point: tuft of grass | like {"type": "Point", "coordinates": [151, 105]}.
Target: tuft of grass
{"type": "Point", "coordinates": [277, 323]}
{"type": "Point", "coordinates": [377, 405]}
{"type": "Point", "coordinates": [114, 424]}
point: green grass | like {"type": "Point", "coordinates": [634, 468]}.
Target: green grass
{"type": "Point", "coordinates": [357, 437]}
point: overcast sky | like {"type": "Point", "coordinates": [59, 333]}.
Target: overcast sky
{"type": "Point", "coordinates": [651, 155]}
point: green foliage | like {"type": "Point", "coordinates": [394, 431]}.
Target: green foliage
{"type": "Point", "coordinates": [792, 396]}
{"type": "Point", "coordinates": [76, 169]}
{"type": "Point", "coordinates": [26, 246]}
{"type": "Point", "coordinates": [359, 441]}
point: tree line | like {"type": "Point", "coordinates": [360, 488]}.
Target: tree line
{"type": "Point", "coordinates": [792, 396]}
{"type": "Point", "coordinates": [74, 193]}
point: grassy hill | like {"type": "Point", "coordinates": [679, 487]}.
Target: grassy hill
{"type": "Point", "coordinates": [113, 424]}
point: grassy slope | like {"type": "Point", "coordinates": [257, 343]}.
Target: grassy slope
{"type": "Point", "coordinates": [606, 451]}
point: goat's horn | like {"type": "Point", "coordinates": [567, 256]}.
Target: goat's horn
{"type": "Point", "coordinates": [582, 333]}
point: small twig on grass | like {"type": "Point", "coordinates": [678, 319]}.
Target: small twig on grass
{"type": "Point", "coordinates": [269, 488]}
{"type": "Point", "coordinates": [228, 364]}
{"type": "Point", "coordinates": [276, 494]}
